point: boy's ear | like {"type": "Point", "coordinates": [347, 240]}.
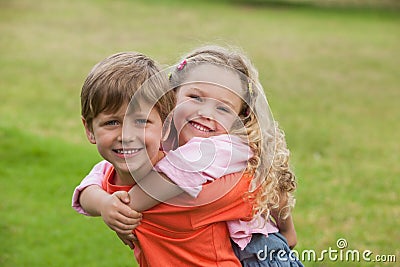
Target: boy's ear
{"type": "Point", "coordinates": [166, 130]}
{"type": "Point", "coordinates": [89, 133]}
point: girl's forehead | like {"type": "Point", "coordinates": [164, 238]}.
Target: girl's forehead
{"type": "Point", "coordinates": [215, 74]}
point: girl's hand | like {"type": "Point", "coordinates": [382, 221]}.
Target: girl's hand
{"type": "Point", "coordinates": [118, 215]}
{"type": "Point", "coordinates": [286, 228]}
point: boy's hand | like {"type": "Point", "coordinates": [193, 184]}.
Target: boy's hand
{"type": "Point", "coordinates": [129, 240]}
{"type": "Point", "coordinates": [118, 215]}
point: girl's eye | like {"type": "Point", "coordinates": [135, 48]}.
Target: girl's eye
{"type": "Point", "coordinates": [224, 109]}
{"type": "Point", "coordinates": [196, 97]}
{"type": "Point", "coordinates": [112, 122]}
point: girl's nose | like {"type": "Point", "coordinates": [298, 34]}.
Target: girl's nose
{"type": "Point", "coordinates": [207, 111]}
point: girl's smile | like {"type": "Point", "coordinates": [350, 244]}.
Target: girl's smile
{"type": "Point", "coordinates": [201, 127]}
{"type": "Point", "coordinates": [208, 103]}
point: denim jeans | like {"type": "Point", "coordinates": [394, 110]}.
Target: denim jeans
{"type": "Point", "coordinates": [271, 251]}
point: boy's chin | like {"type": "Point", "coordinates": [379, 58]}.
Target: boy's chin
{"type": "Point", "coordinates": [138, 172]}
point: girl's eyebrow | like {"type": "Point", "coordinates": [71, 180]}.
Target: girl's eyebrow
{"type": "Point", "coordinates": [225, 101]}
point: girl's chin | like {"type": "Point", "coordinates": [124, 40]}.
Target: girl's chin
{"type": "Point", "coordinates": [183, 140]}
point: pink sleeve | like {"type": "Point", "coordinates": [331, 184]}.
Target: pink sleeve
{"type": "Point", "coordinates": [204, 159]}
{"type": "Point", "coordinates": [95, 177]}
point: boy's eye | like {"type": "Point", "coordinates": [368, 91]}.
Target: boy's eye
{"type": "Point", "coordinates": [112, 122]}
{"type": "Point", "coordinates": [141, 121]}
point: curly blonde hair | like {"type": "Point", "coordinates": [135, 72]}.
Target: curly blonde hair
{"type": "Point", "coordinates": [273, 180]}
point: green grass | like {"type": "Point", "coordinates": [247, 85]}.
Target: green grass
{"type": "Point", "coordinates": [332, 80]}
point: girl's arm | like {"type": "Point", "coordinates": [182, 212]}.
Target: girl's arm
{"type": "Point", "coordinates": [189, 167]}
{"type": "Point", "coordinates": [95, 177]}
{"type": "Point", "coordinates": [286, 226]}
{"type": "Point", "coordinates": [204, 159]}
{"type": "Point", "coordinates": [220, 155]}
{"type": "Point", "coordinates": [151, 190]}
{"type": "Point", "coordinates": [90, 199]}
{"type": "Point", "coordinates": [113, 208]}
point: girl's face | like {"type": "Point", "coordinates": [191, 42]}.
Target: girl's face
{"type": "Point", "coordinates": [205, 106]}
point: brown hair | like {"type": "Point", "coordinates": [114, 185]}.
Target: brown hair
{"type": "Point", "coordinates": [114, 81]}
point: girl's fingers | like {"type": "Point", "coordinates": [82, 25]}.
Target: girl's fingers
{"type": "Point", "coordinates": [128, 212]}
{"type": "Point", "coordinates": [123, 196]}
{"type": "Point", "coordinates": [121, 226]}
{"type": "Point", "coordinates": [129, 221]}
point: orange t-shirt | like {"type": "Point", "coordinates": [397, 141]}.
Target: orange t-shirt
{"type": "Point", "coordinates": [172, 235]}
{"type": "Point", "coordinates": [108, 182]}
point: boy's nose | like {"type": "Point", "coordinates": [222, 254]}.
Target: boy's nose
{"type": "Point", "coordinates": [127, 136]}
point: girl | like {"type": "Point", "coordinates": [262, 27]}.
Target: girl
{"type": "Point", "coordinates": [275, 184]}
{"type": "Point", "coordinates": [205, 108]}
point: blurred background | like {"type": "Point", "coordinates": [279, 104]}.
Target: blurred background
{"type": "Point", "coordinates": [330, 70]}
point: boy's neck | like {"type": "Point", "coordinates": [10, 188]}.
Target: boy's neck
{"type": "Point", "coordinates": [127, 178]}
{"type": "Point", "coordinates": [121, 178]}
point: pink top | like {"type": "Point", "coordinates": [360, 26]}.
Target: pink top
{"type": "Point", "coordinates": [204, 160]}
{"type": "Point", "coordinates": [190, 166]}
{"type": "Point", "coordinates": [95, 177]}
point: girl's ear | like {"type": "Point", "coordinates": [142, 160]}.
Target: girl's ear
{"type": "Point", "coordinates": [89, 132]}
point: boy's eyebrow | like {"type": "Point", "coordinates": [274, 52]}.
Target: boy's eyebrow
{"type": "Point", "coordinates": [110, 114]}
{"type": "Point", "coordinates": [138, 111]}
{"type": "Point", "coordinates": [227, 102]}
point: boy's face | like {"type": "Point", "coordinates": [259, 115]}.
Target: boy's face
{"type": "Point", "coordinates": [205, 107]}
{"type": "Point", "coordinates": [133, 139]}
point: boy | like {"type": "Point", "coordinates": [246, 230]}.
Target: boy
{"type": "Point", "coordinates": [104, 101]}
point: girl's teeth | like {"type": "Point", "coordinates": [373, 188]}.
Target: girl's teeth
{"type": "Point", "coordinates": [200, 128]}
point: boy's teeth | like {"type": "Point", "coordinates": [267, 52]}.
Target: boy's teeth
{"type": "Point", "coordinates": [130, 151]}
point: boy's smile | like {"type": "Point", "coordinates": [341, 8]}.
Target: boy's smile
{"type": "Point", "coordinates": [127, 153]}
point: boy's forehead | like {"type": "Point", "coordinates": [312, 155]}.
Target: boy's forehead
{"type": "Point", "coordinates": [115, 109]}
{"type": "Point", "coordinates": [140, 106]}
